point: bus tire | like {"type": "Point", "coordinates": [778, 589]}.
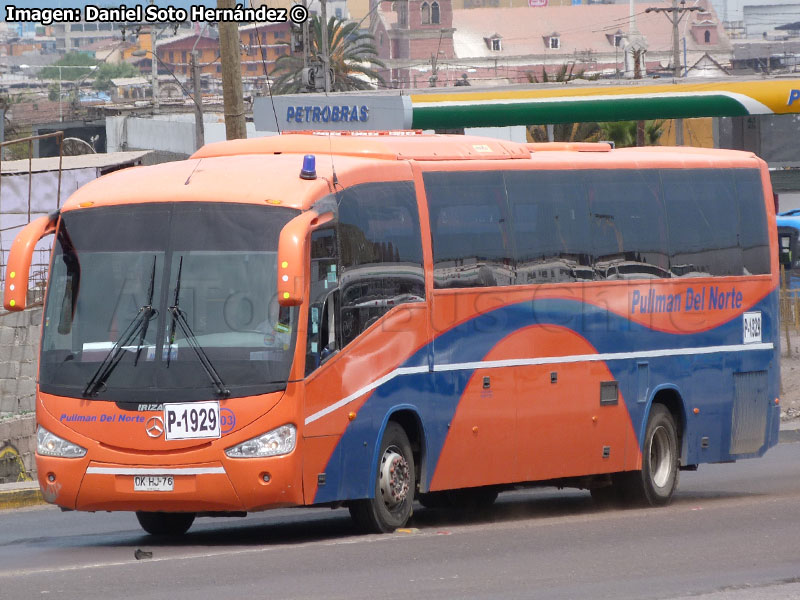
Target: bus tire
{"type": "Point", "coordinates": [161, 523]}
{"type": "Point", "coordinates": [395, 483]}
{"type": "Point", "coordinates": [656, 482]}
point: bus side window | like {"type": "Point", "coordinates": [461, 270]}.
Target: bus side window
{"type": "Point", "coordinates": [628, 224]}
{"type": "Point", "coordinates": [703, 222]}
{"type": "Point", "coordinates": [381, 253]}
{"type": "Point", "coordinates": [470, 232]}
{"type": "Point", "coordinates": [550, 226]}
{"type": "Point", "coordinates": [323, 298]}
{"type": "Point", "coordinates": [754, 236]}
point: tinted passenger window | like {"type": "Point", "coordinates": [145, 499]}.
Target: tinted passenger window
{"type": "Point", "coordinates": [703, 222]}
{"type": "Point", "coordinates": [381, 252]}
{"type": "Point", "coordinates": [550, 224]}
{"type": "Point", "coordinates": [754, 238]}
{"type": "Point", "coordinates": [469, 229]}
{"type": "Point", "coordinates": [629, 233]}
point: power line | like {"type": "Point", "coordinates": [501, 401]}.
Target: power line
{"type": "Point", "coordinates": [675, 13]}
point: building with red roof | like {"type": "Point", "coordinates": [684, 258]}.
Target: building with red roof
{"type": "Point", "coordinates": [422, 39]}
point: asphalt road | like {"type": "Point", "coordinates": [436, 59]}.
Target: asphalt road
{"type": "Point", "coordinates": [733, 533]}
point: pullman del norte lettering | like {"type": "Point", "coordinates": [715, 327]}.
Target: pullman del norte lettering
{"type": "Point", "coordinates": [708, 297]}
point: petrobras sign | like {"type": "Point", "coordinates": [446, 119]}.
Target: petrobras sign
{"type": "Point", "coordinates": [335, 112]}
{"type": "Point", "coordinates": [314, 113]}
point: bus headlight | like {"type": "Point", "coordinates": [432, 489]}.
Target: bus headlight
{"type": "Point", "coordinates": [273, 443]}
{"type": "Point", "coordinates": [49, 444]}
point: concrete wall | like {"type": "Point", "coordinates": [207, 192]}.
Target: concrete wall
{"type": "Point", "coordinates": [167, 133]}
{"type": "Point", "coordinates": [19, 351]}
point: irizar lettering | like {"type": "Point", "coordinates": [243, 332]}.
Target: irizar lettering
{"type": "Point", "coordinates": [694, 300]}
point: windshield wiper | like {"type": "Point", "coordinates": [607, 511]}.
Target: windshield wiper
{"type": "Point", "coordinates": [139, 324]}
{"type": "Point", "coordinates": [149, 306]}
{"type": "Point", "coordinates": [179, 317]}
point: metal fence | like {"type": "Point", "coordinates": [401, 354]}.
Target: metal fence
{"type": "Point", "coordinates": [41, 257]}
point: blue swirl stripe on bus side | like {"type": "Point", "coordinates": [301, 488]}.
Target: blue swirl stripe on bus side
{"type": "Point", "coordinates": [434, 396]}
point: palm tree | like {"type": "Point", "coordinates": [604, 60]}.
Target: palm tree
{"type": "Point", "coordinates": [623, 133]}
{"type": "Point", "coordinates": [567, 132]}
{"type": "Point", "coordinates": [352, 56]}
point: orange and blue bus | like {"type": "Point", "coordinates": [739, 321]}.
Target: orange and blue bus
{"type": "Point", "coordinates": [789, 246]}
{"type": "Point", "coordinates": [370, 320]}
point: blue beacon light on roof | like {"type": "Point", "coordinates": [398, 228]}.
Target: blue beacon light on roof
{"type": "Point", "coordinates": [309, 170]}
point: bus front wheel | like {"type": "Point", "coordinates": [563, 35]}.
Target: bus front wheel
{"type": "Point", "coordinates": [656, 482]}
{"type": "Point", "coordinates": [395, 483]}
{"type": "Point", "coordinates": [160, 523]}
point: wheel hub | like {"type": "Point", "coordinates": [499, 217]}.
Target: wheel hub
{"type": "Point", "coordinates": [660, 458]}
{"type": "Point", "coordinates": [394, 481]}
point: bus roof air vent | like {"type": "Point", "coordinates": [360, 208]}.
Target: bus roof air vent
{"type": "Point", "coordinates": [570, 147]}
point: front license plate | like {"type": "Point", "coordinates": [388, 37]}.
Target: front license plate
{"type": "Point", "coordinates": [153, 483]}
{"type": "Point", "coordinates": [191, 420]}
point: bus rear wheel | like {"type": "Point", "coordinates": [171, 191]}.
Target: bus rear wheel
{"type": "Point", "coordinates": [161, 523]}
{"type": "Point", "coordinates": [395, 483]}
{"type": "Point", "coordinates": [656, 482]}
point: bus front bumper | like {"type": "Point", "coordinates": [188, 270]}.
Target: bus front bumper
{"type": "Point", "coordinates": [229, 486]}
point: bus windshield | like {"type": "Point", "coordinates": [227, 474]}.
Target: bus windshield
{"type": "Point", "coordinates": [175, 300]}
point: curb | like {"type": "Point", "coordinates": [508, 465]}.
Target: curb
{"type": "Point", "coordinates": [20, 495]}
{"type": "Point", "coordinates": [788, 435]}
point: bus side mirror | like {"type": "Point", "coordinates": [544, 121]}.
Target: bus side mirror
{"type": "Point", "coordinates": [19, 261]}
{"type": "Point", "coordinates": [293, 257]}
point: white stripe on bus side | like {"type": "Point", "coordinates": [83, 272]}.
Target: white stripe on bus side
{"type": "Point", "coordinates": [551, 360]}
{"type": "Point", "coordinates": [545, 360]}
{"type": "Point", "coordinates": [378, 382]}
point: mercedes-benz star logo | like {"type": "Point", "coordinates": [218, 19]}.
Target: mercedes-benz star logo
{"type": "Point", "coordinates": [154, 427]}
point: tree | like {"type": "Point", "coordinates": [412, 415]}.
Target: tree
{"type": "Point", "coordinates": [71, 60]}
{"type": "Point", "coordinates": [352, 56]}
{"type": "Point", "coordinates": [566, 72]}
{"type": "Point", "coordinates": [12, 130]}
{"type": "Point", "coordinates": [107, 71]}
{"type": "Point", "coordinates": [623, 133]}
{"type": "Point", "coordinates": [567, 132]}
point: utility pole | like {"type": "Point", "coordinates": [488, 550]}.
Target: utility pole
{"type": "Point", "coordinates": [154, 65]}
{"type": "Point", "coordinates": [305, 40]}
{"type": "Point", "coordinates": [232, 95]}
{"type": "Point", "coordinates": [636, 45]}
{"type": "Point", "coordinates": [675, 13]}
{"type": "Point", "coordinates": [199, 127]}
{"type": "Point", "coordinates": [326, 60]}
